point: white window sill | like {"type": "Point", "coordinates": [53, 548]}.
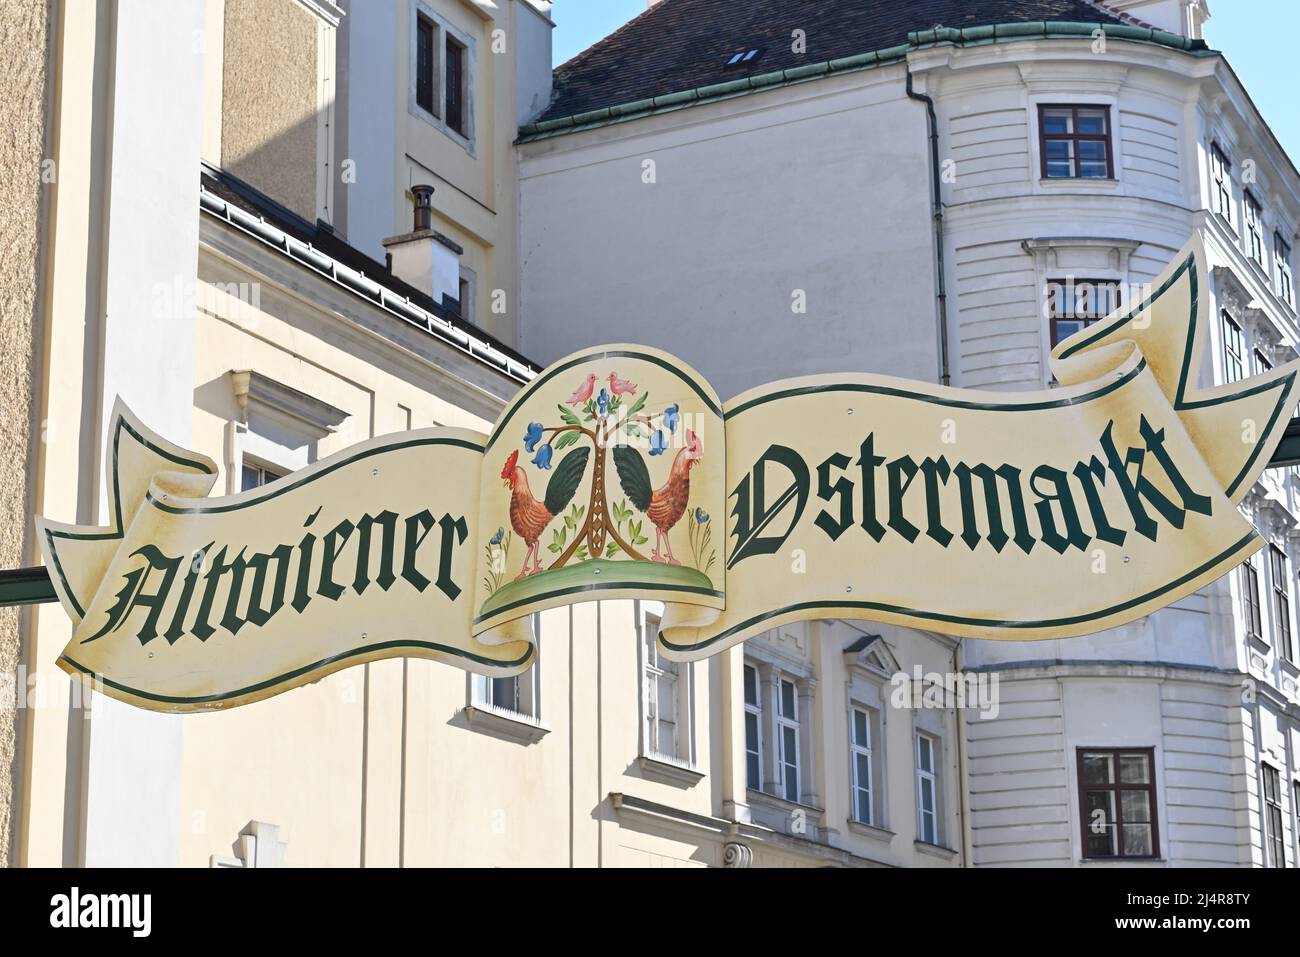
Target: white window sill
{"type": "Point", "coordinates": [501, 723]}
{"type": "Point", "coordinates": [1289, 667]}
{"type": "Point", "coordinates": [879, 834]}
{"type": "Point", "coordinates": [776, 801]}
{"type": "Point", "coordinates": [935, 850]}
{"type": "Point", "coordinates": [1259, 644]}
{"type": "Point", "coordinates": [669, 770]}
{"type": "Point", "coordinates": [1061, 182]}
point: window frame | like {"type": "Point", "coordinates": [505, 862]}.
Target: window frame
{"type": "Point", "coordinates": [1284, 281]}
{"type": "Point", "coordinates": [921, 778]}
{"type": "Point", "coordinates": [1230, 355]}
{"type": "Point", "coordinates": [1089, 319]}
{"type": "Point", "coordinates": [267, 473]}
{"type": "Point", "coordinates": [787, 723]}
{"type": "Point", "coordinates": [1271, 807]}
{"type": "Point", "coordinates": [1281, 588]}
{"type": "Point", "coordinates": [1252, 603]}
{"type": "Point", "coordinates": [444, 33]}
{"type": "Point", "coordinates": [426, 78]}
{"type": "Point", "coordinates": [754, 710]}
{"type": "Point", "coordinates": [683, 694]}
{"type": "Point", "coordinates": [1117, 788]}
{"type": "Point", "coordinates": [859, 749]}
{"type": "Point", "coordinates": [1253, 217]}
{"type": "Point", "coordinates": [450, 44]}
{"type": "Point", "coordinates": [1221, 183]}
{"type": "Point", "coordinates": [1075, 138]}
{"type": "Point", "coordinates": [481, 683]}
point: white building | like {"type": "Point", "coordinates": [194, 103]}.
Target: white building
{"type": "Point", "coordinates": [753, 190]}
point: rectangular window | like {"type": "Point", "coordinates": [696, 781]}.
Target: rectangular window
{"type": "Point", "coordinates": [1250, 599]}
{"type": "Point", "coordinates": [424, 51]}
{"type": "Point", "coordinates": [1261, 362]}
{"type": "Point", "coordinates": [666, 690]}
{"type": "Point", "coordinates": [1074, 304]}
{"type": "Point", "coordinates": [787, 730]}
{"type": "Point", "coordinates": [927, 797]}
{"type": "Point", "coordinates": [455, 85]}
{"type": "Point", "coordinates": [518, 696]}
{"type": "Point", "coordinates": [1075, 142]}
{"type": "Point", "coordinates": [1234, 349]}
{"type": "Point", "coordinates": [1117, 802]}
{"type": "Point", "coordinates": [1273, 817]}
{"type": "Point", "coordinates": [1281, 600]}
{"type": "Point", "coordinates": [1254, 228]}
{"type": "Point", "coordinates": [255, 475]}
{"type": "Point", "coordinates": [1221, 174]}
{"type": "Point", "coordinates": [753, 730]}
{"type": "Point", "coordinates": [1285, 278]}
{"type": "Point", "coordinates": [863, 806]}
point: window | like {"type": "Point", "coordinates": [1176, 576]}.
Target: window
{"type": "Point", "coordinates": [442, 64]}
{"type": "Point", "coordinates": [462, 298]}
{"type": "Point", "coordinates": [425, 33]}
{"type": "Point", "coordinates": [1221, 173]}
{"type": "Point", "coordinates": [787, 740]}
{"type": "Point", "coordinates": [518, 696]}
{"type": "Point", "coordinates": [1074, 304]}
{"type": "Point", "coordinates": [255, 475]}
{"type": "Point", "coordinates": [1273, 817]}
{"type": "Point", "coordinates": [1075, 142]}
{"type": "Point", "coordinates": [1281, 600]}
{"type": "Point", "coordinates": [1254, 228]}
{"type": "Point", "coordinates": [1234, 349]}
{"type": "Point", "coordinates": [455, 91]}
{"type": "Point", "coordinates": [863, 781]}
{"type": "Point", "coordinates": [1285, 278]}
{"type": "Point", "coordinates": [753, 730]}
{"type": "Point", "coordinates": [1250, 599]}
{"type": "Point", "coordinates": [1117, 802]}
{"type": "Point", "coordinates": [743, 58]}
{"type": "Point", "coordinates": [1261, 362]}
{"type": "Point", "coordinates": [666, 690]}
{"type": "Point", "coordinates": [927, 797]}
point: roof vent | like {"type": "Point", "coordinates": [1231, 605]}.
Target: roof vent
{"type": "Point", "coordinates": [744, 58]}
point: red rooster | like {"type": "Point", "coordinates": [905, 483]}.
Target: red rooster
{"type": "Point", "coordinates": [528, 516]}
{"type": "Point", "coordinates": [666, 504]}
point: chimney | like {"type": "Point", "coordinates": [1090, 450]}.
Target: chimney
{"type": "Point", "coordinates": [424, 257]}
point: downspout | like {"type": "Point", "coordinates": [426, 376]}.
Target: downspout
{"type": "Point", "coordinates": [941, 295]}
{"type": "Point", "coordinates": [963, 769]}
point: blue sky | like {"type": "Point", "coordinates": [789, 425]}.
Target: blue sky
{"type": "Point", "coordinates": [1256, 35]}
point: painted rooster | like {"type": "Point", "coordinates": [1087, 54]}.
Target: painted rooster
{"type": "Point", "coordinates": [665, 505]}
{"type": "Point", "coordinates": [528, 516]}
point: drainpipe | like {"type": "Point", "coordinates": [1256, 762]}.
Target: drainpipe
{"type": "Point", "coordinates": [941, 296]}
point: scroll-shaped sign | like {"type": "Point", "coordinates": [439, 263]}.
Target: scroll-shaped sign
{"type": "Point", "coordinates": [617, 473]}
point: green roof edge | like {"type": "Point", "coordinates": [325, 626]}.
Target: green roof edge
{"type": "Point", "coordinates": [916, 40]}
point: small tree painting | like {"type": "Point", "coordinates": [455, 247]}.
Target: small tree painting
{"type": "Point", "coordinates": [594, 425]}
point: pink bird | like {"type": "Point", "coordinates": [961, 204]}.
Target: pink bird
{"type": "Point", "coordinates": [583, 392]}
{"type": "Point", "coordinates": [621, 386]}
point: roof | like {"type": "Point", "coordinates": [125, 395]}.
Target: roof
{"type": "Point", "coordinates": [319, 248]}
{"type": "Point", "coordinates": [685, 45]}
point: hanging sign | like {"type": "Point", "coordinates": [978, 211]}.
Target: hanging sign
{"type": "Point", "coordinates": [617, 473]}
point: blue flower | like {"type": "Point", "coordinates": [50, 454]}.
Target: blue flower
{"type": "Point", "coordinates": [501, 533]}
{"type": "Point", "coordinates": [543, 457]}
{"type": "Point", "coordinates": [701, 516]}
{"type": "Point", "coordinates": [532, 436]}
{"type": "Point", "coordinates": [602, 401]}
{"type": "Point", "coordinates": [658, 443]}
{"type": "Point", "coordinates": [671, 415]}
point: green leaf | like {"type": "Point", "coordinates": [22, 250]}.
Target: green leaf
{"type": "Point", "coordinates": [581, 553]}
{"type": "Point", "coordinates": [610, 549]}
{"type": "Point", "coordinates": [635, 529]}
{"type": "Point", "coordinates": [568, 522]}
{"type": "Point", "coordinates": [567, 415]}
{"type": "Point", "coordinates": [640, 540]}
{"type": "Point", "coordinates": [639, 404]}
{"type": "Point", "coordinates": [554, 548]}
{"type": "Point", "coordinates": [634, 430]}
{"type": "Point", "coordinates": [565, 440]}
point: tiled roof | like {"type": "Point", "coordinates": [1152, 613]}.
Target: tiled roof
{"type": "Point", "coordinates": [684, 44]}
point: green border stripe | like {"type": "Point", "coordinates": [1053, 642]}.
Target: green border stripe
{"type": "Point", "coordinates": [962, 620]}
{"type": "Point", "coordinates": [601, 586]}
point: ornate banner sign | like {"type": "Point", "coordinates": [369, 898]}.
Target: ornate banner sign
{"type": "Point", "coordinates": [617, 473]}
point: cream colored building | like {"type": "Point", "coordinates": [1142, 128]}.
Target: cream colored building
{"type": "Point", "coordinates": [230, 177]}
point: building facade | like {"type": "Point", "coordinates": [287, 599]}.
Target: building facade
{"type": "Point", "coordinates": [361, 211]}
{"type": "Point", "coordinates": [782, 173]}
